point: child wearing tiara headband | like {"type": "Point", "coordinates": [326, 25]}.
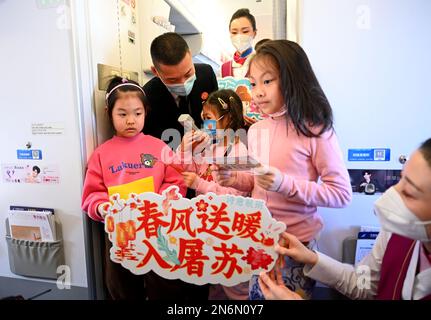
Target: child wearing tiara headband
{"type": "Point", "coordinates": [131, 160]}
{"type": "Point", "coordinates": [222, 116]}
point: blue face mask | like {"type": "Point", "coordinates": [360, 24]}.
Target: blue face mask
{"type": "Point", "coordinates": [182, 89]}
{"type": "Point", "coordinates": [210, 127]}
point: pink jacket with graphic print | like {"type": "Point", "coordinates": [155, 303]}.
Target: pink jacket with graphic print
{"type": "Point", "coordinates": [120, 161]}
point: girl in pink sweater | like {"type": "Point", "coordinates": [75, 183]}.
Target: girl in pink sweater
{"type": "Point", "coordinates": [302, 162]}
{"type": "Point", "coordinates": [129, 162]}
{"type": "Point", "coordinates": [223, 119]}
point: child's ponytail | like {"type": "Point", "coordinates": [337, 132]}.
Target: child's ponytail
{"type": "Point", "coordinates": [227, 102]}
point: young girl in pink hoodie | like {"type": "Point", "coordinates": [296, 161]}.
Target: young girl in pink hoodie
{"type": "Point", "coordinates": [130, 162]}
{"type": "Point", "coordinates": [302, 165]}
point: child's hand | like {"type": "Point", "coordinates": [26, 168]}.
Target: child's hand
{"type": "Point", "coordinates": [268, 178]}
{"type": "Point", "coordinates": [273, 288]}
{"type": "Point", "coordinates": [186, 144]}
{"type": "Point", "coordinates": [223, 177]}
{"type": "Point", "coordinates": [190, 179]}
{"type": "Point", "coordinates": [203, 140]}
{"type": "Point", "coordinates": [194, 142]}
{"type": "Point", "coordinates": [290, 246]}
{"type": "Point", "coordinates": [102, 209]}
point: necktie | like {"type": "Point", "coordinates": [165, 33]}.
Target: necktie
{"type": "Point", "coordinates": [183, 105]}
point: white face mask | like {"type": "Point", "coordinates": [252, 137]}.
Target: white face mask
{"type": "Point", "coordinates": [182, 89]}
{"type": "Point", "coordinates": [395, 217]}
{"type": "Point", "coordinates": [241, 42]}
{"type": "Point", "coordinates": [279, 113]}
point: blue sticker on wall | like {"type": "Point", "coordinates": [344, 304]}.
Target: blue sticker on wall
{"type": "Point", "coordinates": [368, 235]}
{"type": "Point", "coordinates": [29, 154]}
{"type": "Point", "coordinates": [369, 154]}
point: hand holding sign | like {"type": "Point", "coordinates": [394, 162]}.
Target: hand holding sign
{"type": "Point", "coordinates": [295, 249]}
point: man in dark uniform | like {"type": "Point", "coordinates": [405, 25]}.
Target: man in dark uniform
{"type": "Point", "coordinates": [179, 87]}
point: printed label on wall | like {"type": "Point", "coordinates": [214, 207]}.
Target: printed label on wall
{"type": "Point", "coordinates": [53, 129]}
{"type": "Point", "coordinates": [369, 154]}
{"type": "Point", "coordinates": [30, 173]}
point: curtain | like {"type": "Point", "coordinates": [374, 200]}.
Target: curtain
{"type": "Point", "coordinates": [286, 19]}
{"type": "Point", "coordinates": [279, 19]}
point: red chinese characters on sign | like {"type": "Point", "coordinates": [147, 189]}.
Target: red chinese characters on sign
{"type": "Point", "coordinates": [247, 225]}
{"type": "Point", "coordinates": [227, 260]}
{"type": "Point", "coordinates": [209, 239]}
{"type": "Point", "coordinates": [181, 219]}
{"type": "Point", "coordinates": [216, 223]}
{"type": "Point", "coordinates": [153, 253]}
{"type": "Point", "coordinates": [150, 219]}
{"type": "Point", "coordinates": [191, 256]}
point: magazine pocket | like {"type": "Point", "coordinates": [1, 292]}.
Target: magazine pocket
{"type": "Point", "coordinates": [35, 258]}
